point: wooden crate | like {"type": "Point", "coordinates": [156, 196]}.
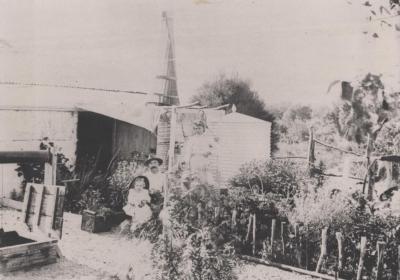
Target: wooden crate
{"type": "Point", "coordinates": [42, 212]}
{"type": "Point", "coordinates": [27, 253]}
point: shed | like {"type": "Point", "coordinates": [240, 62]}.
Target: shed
{"type": "Point", "coordinates": [80, 122]}
{"type": "Point", "coordinates": [242, 138]}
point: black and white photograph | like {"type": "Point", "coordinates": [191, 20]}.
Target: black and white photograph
{"type": "Point", "coordinates": [199, 140]}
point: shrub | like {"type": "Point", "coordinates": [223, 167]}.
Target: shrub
{"type": "Point", "coordinates": [118, 182]}
{"type": "Point", "coordinates": [283, 178]}
{"type": "Point", "coordinates": [199, 245]}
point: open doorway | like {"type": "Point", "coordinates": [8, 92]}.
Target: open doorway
{"type": "Point", "coordinates": [95, 133]}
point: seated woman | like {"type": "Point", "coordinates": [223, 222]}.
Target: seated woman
{"type": "Point", "coordinates": [138, 204]}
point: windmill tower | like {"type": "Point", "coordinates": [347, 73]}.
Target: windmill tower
{"type": "Point", "coordinates": [170, 88]}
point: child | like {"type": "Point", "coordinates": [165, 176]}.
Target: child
{"type": "Point", "coordinates": [138, 204]}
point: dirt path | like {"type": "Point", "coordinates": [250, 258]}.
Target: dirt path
{"type": "Point", "coordinates": [62, 270]}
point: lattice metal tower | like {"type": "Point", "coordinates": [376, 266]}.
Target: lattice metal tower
{"type": "Point", "coordinates": [170, 88]}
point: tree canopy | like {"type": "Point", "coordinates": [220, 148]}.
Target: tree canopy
{"type": "Point", "coordinates": [234, 90]}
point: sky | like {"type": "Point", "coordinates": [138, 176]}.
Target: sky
{"type": "Point", "coordinates": [290, 51]}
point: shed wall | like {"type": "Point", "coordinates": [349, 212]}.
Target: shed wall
{"type": "Point", "coordinates": [241, 143]}
{"type": "Point", "coordinates": [24, 130]}
{"type": "Point", "coordinates": [129, 138]}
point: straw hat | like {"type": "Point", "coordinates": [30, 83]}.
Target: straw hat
{"type": "Point", "coordinates": [151, 158]}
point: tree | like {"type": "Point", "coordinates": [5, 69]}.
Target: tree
{"type": "Point", "coordinates": [235, 90]}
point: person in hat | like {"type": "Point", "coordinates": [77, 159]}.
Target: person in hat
{"type": "Point", "coordinates": [156, 178]}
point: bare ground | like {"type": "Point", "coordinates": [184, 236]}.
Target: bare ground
{"type": "Point", "coordinates": [109, 256]}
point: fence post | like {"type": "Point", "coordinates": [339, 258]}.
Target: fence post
{"type": "Point", "coordinates": [273, 227]}
{"type": "Point", "coordinates": [298, 244]}
{"type": "Point", "coordinates": [370, 174]}
{"type": "Point", "coordinates": [249, 227]}
{"type": "Point", "coordinates": [254, 234]}
{"type": "Point", "coordinates": [311, 149]}
{"type": "Point", "coordinates": [339, 238]}
{"type": "Point", "coordinates": [380, 249]}
{"type": "Point", "coordinates": [283, 236]}
{"type": "Point", "coordinates": [363, 247]}
{"type": "Point", "coordinates": [324, 238]}
{"type": "Point", "coordinates": [398, 262]}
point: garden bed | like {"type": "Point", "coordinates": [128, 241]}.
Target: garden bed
{"type": "Point", "coordinates": [103, 255]}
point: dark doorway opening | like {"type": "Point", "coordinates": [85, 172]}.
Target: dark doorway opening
{"type": "Point", "coordinates": [94, 139]}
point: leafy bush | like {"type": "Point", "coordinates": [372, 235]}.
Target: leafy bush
{"type": "Point", "coordinates": [199, 243]}
{"type": "Point", "coordinates": [34, 172]}
{"type": "Point", "coordinates": [283, 178]}
{"type": "Point", "coordinates": [118, 182]}
{"type": "Point", "coordinates": [349, 214]}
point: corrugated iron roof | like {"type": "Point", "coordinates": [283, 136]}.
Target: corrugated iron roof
{"type": "Point", "coordinates": [128, 107]}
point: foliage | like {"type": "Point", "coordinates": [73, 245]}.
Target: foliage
{"type": "Point", "coordinates": [319, 207]}
{"type": "Point", "coordinates": [119, 181]}
{"type": "Point", "coordinates": [348, 213]}
{"type": "Point", "coordinates": [388, 140]}
{"type": "Point", "coordinates": [363, 109]}
{"type": "Point", "coordinates": [34, 172]}
{"type": "Point", "coordinates": [235, 90]}
{"type": "Point", "coordinates": [283, 178]}
{"type": "Point", "coordinates": [294, 124]}
{"type": "Point", "coordinates": [383, 13]}
{"type": "Point", "coordinates": [200, 239]}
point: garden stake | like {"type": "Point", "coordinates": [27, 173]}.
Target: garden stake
{"type": "Point", "coordinates": [363, 246]}
{"type": "Point", "coordinates": [339, 239]}
{"type": "Point", "coordinates": [380, 249]}
{"type": "Point", "coordinates": [283, 232]}
{"type": "Point", "coordinates": [324, 238]}
{"type": "Point", "coordinates": [254, 234]}
{"type": "Point", "coordinates": [273, 226]}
